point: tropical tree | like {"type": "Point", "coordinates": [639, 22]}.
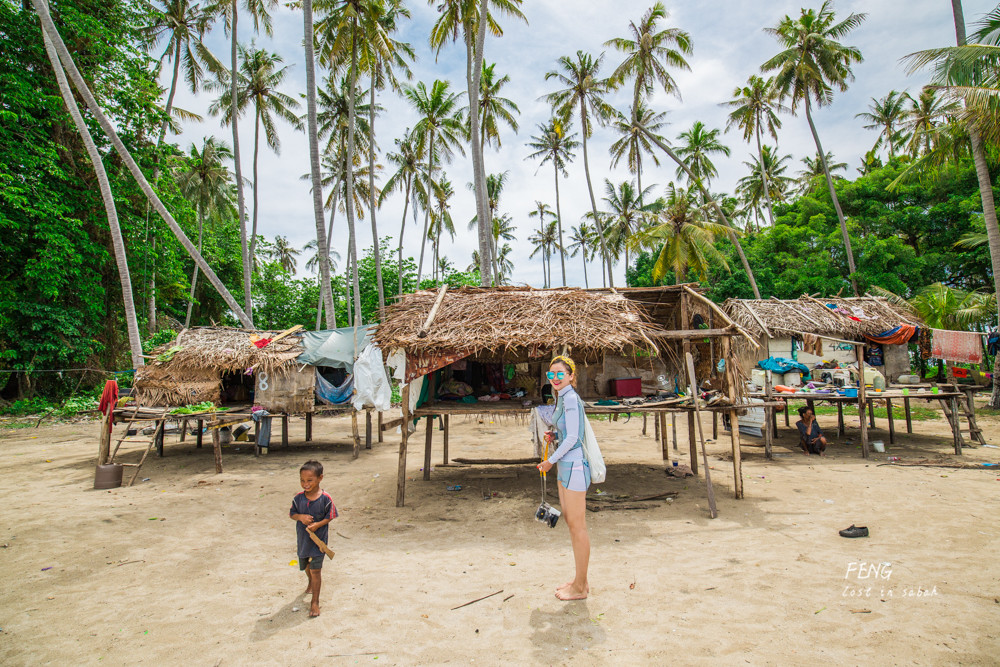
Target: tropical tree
{"type": "Point", "coordinates": [584, 92]}
{"type": "Point", "coordinates": [503, 228]}
{"type": "Point", "coordinates": [886, 115]}
{"type": "Point", "coordinates": [627, 214]}
{"type": "Point", "coordinates": [555, 144]}
{"type": "Point", "coordinates": [582, 242]}
{"type": "Point", "coordinates": [767, 181]}
{"type": "Point", "coordinates": [927, 112]}
{"type": "Point", "coordinates": [206, 182]}
{"type": "Point", "coordinates": [544, 240]}
{"type": "Point", "coordinates": [494, 109]}
{"type": "Point", "coordinates": [505, 265]}
{"type": "Point", "coordinates": [812, 64]}
{"type": "Point", "coordinates": [543, 212]}
{"type": "Point", "coordinates": [406, 160]}
{"type": "Point", "coordinates": [819, 167]}
{"type": "Point", "coordinates": [461, 19]}
{"type": "Point", "coordinates": [441, 221]}
{"type": "Point", "coordinates": [312, 129]}
{"type": "Point", "coordinates": [754, 109]}
{"type": "Point", "coordinates": [260, 76]}
{"type": "Point", "coordinates": [285, 254]}
{"type": "Point", "coordinates": [697, 147]}
{"type": "Point", "coordinates": [439, 132]}
{"type": "Point", "coordinates": [685, 238]}
{"type": "Point", "coordinates": [632, 143]}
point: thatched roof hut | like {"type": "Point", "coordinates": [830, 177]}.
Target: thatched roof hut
{"type": "Point", "coordinates": [849, 318]}
{"type": "Point", "coordinates": [510, 320]}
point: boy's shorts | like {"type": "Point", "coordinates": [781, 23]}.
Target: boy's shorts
{"type": "Point", "coordinates": [312, 562]}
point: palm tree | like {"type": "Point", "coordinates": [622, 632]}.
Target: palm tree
{"type": "Point", "coordinates": [504, 264]}
{"type": "Point", "coordinates": [503, 228]}
{"type": "Point", "coordinates": [259, 79]}
{"type": "Point", "coordinates": [886, 115]}
{"type": "Point", "coordinates": [926, 113]}
{"type": "Point", "coordinates": [686, 239]}
{"type": "Point", "coordinates": [766, 181]}
{"type": "Point", "coordinates": [439, 131]}
{"type": "Point", "coordinates": [698, 147]}
{"type": "Point", "coordinates": [493, 108]}
{"type": "Point", "coordinates": [811, 65]}
{"type": "Point", "coordinates": [632, 143]}
{"type": "Point", "coordinates": [312, 264]}
{"type": "Point", "coordinates": [582, 242]}
{"type": "Point", "coordinates": [542, 211]}
{"type": "Point", "coordinates": [207, 183]}
{"type": "Point", "coordinates": [461, 19]}
{"type": "Point", "coordinates": [627, 214]}
{"type": "Point", "coordinates": [312, 129]}
{"type": "Point", "coordinates": [98, 114]}
{"type": "Point", "coordinates": [648, 54]}
{"type": "Point", "coordinates": [284, 254]}
{"type": "Point", "coordinates": [555, 144]}
{"type": "Point", "coordinates": [754, 109]}
{"type": "Point", "coordinates": [442, 221]}
{"type": "Point", "coordinates": [117, 241]}
{"type": "Point", "coordinates": [544, 241]}
{"type": "Point", "coordinates": [584, 92]}
{"type": "Point", "coordinates": [818, 167]}
{"type": "Point", "coordinates": [406, 178]}
{"type": "Point", "coordinates": [494, 190]}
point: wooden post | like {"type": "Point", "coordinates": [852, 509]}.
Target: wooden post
{"type": "Point", "coordinates": [368, 429]}
{"type": "Point", "coordinates": [184, 428]}
{"type": "Point", "coordinates": [217, 448]}
{"type": "Point", "coordinates": [644, 415]}
{"type": "Point", "coordinates": [840, 420]}
{"type": "Point", "coordinates": [715, 425]}
{"type": "Point", "coordinates": [769, 416]}
{"type": "Point", "coordinates": [871, 413]}
{"type": "Point", "coordinates": [158, 434]}
{"type": "Point", "coordinates": [656, 426]}
{"type": "Point", "coordinates": [692, 447]}
{"type": "Point", "coordinates": [862, 401]}
{"type": "Point", "coordinates": [447, 425]}
{"type": "Point", "coordinates": [787, 423]}
{"type": "Point", "coordinates": [201, 432]}
{"type": "Point", "coordinates": [284, 430]}
{"type": "Point", "coordinates": [355, 438]}
{"type": "Point", "coordinates": [704, 454]}
{"type": "Point", "coordinates": [427, 447]}
{"type": "Point", "coordinates": [104, 450]}
{"type": "Point", "coordinates": [892, 425]}
{"type": "Point", "coordinates": [729, 382]}
{"type": "Point", "coordinates": [405, 429]}
{"type": "Point", "coordinates": [686, 348]}
{"type": "Point", "coordinates": [906, 411]}
{"type": "Point", "coordinates": [673, 428]}
{"type": "Point", "coordinates": [380, 435]}
{"type": "Point", "coordinates": [256, 437]}
{"type": "Point", "coordinates": [661, 420]}
{"type": "Point", "coordinates": [309, 427]}
{"type": "Point", "coordinates": [956, 425]}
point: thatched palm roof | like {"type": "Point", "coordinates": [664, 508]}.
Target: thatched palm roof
{"type": "Point", "coordinates": [225, 350]}
{"type": "Point", "coordinates": [497, 320]}
{"type": "Point", "coordinates": [813, 316]}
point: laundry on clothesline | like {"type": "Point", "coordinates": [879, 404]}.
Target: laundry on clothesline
{"type": "Point", "coordinates": [961, 346]}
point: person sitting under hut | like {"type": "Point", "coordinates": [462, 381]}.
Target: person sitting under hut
{"type": "Point", "coordinates": [811, 438]}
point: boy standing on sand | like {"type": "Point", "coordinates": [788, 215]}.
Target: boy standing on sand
{"type": "Point", "coordinates": [312, 510]}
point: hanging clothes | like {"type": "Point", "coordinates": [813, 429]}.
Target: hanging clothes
{"type": "Point", "coordinates": [962, 346]}
{"type": "Point", "coordinates": [812, 344]}
{"type": "Point", "coordinates": [924, 342]}
{"type": "Point", "coordinates": [109, 398]}
{"type": "Point", "coordinates": [895, 336]}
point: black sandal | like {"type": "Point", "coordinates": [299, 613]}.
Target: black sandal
{"type": "Point", "coordinates": [855, 531]}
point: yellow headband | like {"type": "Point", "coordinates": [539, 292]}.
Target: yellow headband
{"type": "Point", "coordinates": [565, 360]}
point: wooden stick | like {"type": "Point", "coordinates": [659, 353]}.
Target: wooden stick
{"type": "Point", "coordinates": [286, 332]}
{"type": "Point", "coordinates": [422, 333]}
{"type": "Point", "coordinates": [355, 438]}
{"type": "Point", "coordinates": [321, 544]}
{"type": "Point", "coordinates": [755, 317]}
{"type": "Point", "coordinates": [405, 430]}
{"type": "Point", "coordinates": [704, 455]}
{"type": "Point", "coordinates": [477, 600]}
{"type": "Point", "coordinates": [795, 312]}
{"type": "Point", "coordinates": [723, 315]}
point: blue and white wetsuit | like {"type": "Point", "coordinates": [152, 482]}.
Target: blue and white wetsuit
{"type": "Point", "coordinates": [574, 471]}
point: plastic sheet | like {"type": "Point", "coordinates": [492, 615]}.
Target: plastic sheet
{"type": "Point", "coordinates": [370, 381]}
{"type": "Point", "coordinates": [331, 394]}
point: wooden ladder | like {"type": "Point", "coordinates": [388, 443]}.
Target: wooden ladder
{"type": "Point", "coordinates": [157, 432]}
{"type": "Point", "coordinates": [965, 410]}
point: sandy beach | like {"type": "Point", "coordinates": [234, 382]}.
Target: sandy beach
{"type": "Point", "coordinates": [196, 568]}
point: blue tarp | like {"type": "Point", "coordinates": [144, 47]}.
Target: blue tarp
{"type": "Point", "coordinates": [334, 347]}
{"type": "Point", "coordinates": [330, 394]}
{"type": "Point", "coordinates": [782, 365]}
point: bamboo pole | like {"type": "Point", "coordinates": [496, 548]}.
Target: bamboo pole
{"type": "Point", "coordinates": [405, 429]}
{"type": "Point", "coordinates": [714, 512]}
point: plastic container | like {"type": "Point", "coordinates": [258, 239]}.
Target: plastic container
{"type": "Point", "coordinates": [871, 374]}
{"type": "Point", "coordinates": [108, 476]}
{"type": "Point", "coordinates": [851, 392]}
{"type": "Point", "coordinates": [878, 446]}
{"type": "Point", "coordinates": [909, 379]}
{"type": "Point", "coordinates": [758, 377]}
{"type": "Point", "coordinates": [878, 383]}
{"type": "Point", "coordinates": [793, 379]}
{"type": "Point", "coordinates": [626, 387]}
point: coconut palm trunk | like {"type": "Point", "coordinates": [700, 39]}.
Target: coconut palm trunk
{"type": "Point", "coordinates": [349, 164]}
{"type": "Point", "coordinates": [325, 290]}
{"type": "Point", "coordinates": [473, 76]}
{"type": "Point", "coordinates": [240, 197]}
{"type": "Point", "coordinates": [117, 242]}
{"type": "Point", "coordinates": [194, 275]}
{"type": "Point", "coordinates": [329, 236]}
{"type": "Point", "coordinates": [586, 282]}
{"type": "Point", "coordinates": [559, 220]}
{"type": "Point", "coordinates": [256, 151]}
{"type": "Point", "coordinates": [427, 205]}
{"type": "Point", "coordinates": [763, 177]}
{"type": "Point", "coordinates": [371, 198]}
{"type": "Point", "coordinates": [718, 209]}
{"type": "Point", "coordinates": [833, 195]}
{"type": "Point", "coordinates": [989, 205]}
{"type": "Point", "coordinates": [81, 86]}
{"type": "Point", "coordinates": [402, 229]}
{"type": "Point", "coordinates": [593, 202]}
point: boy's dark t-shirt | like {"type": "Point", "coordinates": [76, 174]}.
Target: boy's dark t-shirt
{"type": "Point", "coordinates": [319, 509]}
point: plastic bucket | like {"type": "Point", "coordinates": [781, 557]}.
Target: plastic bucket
{"type": "Point", "coordinates": [879, 446]}
{"type": "Point", "coordinates": [851, 392]}
{"type": "Point", "coordinates": [108, 476]}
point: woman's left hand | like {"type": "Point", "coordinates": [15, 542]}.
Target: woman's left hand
{"type": "Point", "coordinates": [545, 466]}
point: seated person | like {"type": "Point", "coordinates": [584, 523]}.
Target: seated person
{"type": "Point", "coordinates": [811, 438]}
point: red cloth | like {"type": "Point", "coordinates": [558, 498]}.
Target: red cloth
{"type": "Point", "coordinates": [961, 346]}
{"type": "Point", "coordinates": [262, 343]}
{"type": "Point", "coordinates": [109, 398]}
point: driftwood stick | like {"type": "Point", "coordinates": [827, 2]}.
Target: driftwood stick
{"type": "Point", "coordinates": [434, 309]}
{"type": "Point", "coordinates": [321, 544]}
{"type": "Point", "coordinates": [477, 600]}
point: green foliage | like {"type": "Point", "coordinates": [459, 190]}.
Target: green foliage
{"type": "Point", "coordinates": [159, 338]}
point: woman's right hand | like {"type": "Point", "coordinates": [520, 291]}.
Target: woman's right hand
{"type": "Point", "coordinates": [545, 466]}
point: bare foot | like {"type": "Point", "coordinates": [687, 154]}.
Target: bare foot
{"type": "Point", "coordinates": [308, 590]}
{"type": "Point", "coordinates": [562, 586]}
{"type": "Point", "coordinates": [571, 593]}
{"type": "Point", "coordinates": [314, 610]}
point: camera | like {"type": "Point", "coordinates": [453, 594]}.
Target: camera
{"type": "Point", "coordinates": [548, 514]}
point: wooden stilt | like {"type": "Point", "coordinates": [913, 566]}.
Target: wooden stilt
{"type": "Point", "coordinates": [772, 421]}
{"type": "Point", "coordinates": [158, 436]}
{"type": "Point", "coordinates": [355, 438]}
{"type": "Point", "coordinates": [892, 424]}
{"type": "Point", "coordinates": [715, 426]}
{"type": "Point", "coordinates": [184, 428]}
{"type": "Point", "coordinates": [405, 430]}
{"type": "Point", "coordinates": [447, 425]}
{"type": "Point", "coordinates": [673, 428]}
{"type": "Point", "coordinates": [309, 427]}
{"type": "Point", "coordinates": [906, 412]}
{"type": "Point", "coordinates": [656, 426]}
{"type": "Point", "coordinates": [217, 449]}
{"type": "Point", "coordinates": [644, 415]}
{"type": "Point", "coordinates": [380, 434]}
{"type": "Point", "coordinates": [104, 450]}
{"type": "Point", "coordinates": [201, 433]}
{"type": "Point", "coordinates": [871, 413]}
{"type": "Point", "coordinates": [368, 429]}
{"type": "Point", "coordinates": [787, 423]}
{"type": "Point", "coordinates": [427, 447]}
{"type": "Point", "coordinates": [713, 511]}
{"type": "Point", "coordinates": [956, 425]}
{"type": "Point", "coordinates": [692, 446]}
{"type": "Point", "coordinates": [664, 445]}
{"type": "Point", "coordinates": [284, 430]}
{"type": "Point", "coordinates": [862, 399]}
{"type": "Point", "coordinates": [256, 438]}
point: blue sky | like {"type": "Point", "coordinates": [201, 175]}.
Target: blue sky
{"type": "Point", "coordinates": [729, 45]}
